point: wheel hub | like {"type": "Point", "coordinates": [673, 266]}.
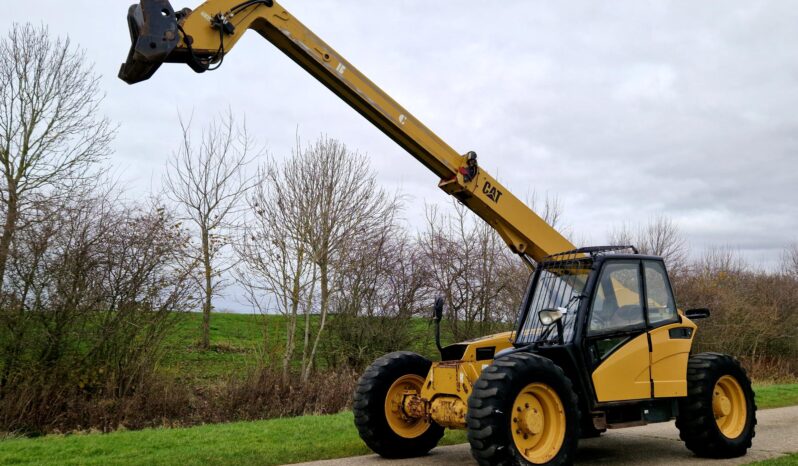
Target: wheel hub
{"type": "Point", "coordinates": [531, 421]}
{"type": "Point", "coordinates": [721, 405]}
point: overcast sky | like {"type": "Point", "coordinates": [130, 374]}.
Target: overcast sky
{"type": "Point", "coordinates": [624, 110]}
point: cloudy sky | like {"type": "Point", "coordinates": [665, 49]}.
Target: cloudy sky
{"type": "Point", "coordinates": [624, 110]}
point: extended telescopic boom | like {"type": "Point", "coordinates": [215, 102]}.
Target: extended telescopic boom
{"type": "Point", "coordinates": [201, 38]}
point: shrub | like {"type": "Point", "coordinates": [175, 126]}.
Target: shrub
{"type": "Point", "coordinates": [91, 292]}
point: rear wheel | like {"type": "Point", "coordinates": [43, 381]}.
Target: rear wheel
{"type": "Point", "coordinates": [379, 412]}
{"type": "Point", "coordinates": [718, 416]}
{"type": "Point", "coordinates": [523, 411]}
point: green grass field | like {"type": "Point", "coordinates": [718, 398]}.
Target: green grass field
{"type": "Point", "coordinates": [271, 442]}
{"type": "Point", "coordinates": [236, 340]}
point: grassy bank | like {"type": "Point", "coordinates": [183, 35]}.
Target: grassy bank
{"type": "Point", "coordinates": [238, 342]}
{"type": "Point", "coordinates": [271, 442]}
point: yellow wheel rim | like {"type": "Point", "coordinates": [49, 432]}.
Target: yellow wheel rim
{"type": "Point", "coordinates": [538, 423]}
{"type": "Point", "coordinates": [402, 424]}
{"type": "Point", "coordinates": [729, 406]}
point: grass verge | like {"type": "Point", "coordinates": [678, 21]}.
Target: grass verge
{"type": "Point", "coordinates": [776, 396]}
{"type": "Point", "coordinates": [272, 442]}
{"type": "Point", "coordinates": [789, 460]}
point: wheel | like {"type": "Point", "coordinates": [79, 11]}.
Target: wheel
{"type": "Point", "coordinates": [718, 416]}
{"type": "Point", "coordinates": [379, 416]}
{"type": "Point", "coordinates": [523, 411]}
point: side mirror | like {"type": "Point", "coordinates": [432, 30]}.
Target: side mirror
{"type": "Point", "coordinates": [551, 315]}
{"type": "Point", "coordinates": [438, 308]}
{"type": "Point", "coordinates": [693, 314]}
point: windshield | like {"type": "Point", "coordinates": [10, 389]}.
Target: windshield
{"type": "Point", "coordinates": [558, 285]}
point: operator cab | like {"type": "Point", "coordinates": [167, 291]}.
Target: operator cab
{"type": "Point", "coordinates": [595, 311]}
{"type": "Point", "coordinates": [595, 291]}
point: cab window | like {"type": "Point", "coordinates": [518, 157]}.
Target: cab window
{"type": "Point", "coordinates": [659, 298]}
{"type": "Point", "coordinates": [617, 304]}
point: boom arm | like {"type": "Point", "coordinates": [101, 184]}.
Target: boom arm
{"type": "Point", "coordinates": [202, 37]}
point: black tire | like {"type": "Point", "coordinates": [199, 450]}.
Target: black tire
{"type": "Point", "coordinates": [491, 404]}
{"type": "Point", "coordinates": [369, 407]}
{"type": "Point", "coordinates": [696, 421]}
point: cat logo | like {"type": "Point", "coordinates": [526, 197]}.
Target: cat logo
{"type": "Point", "coordinates": [492, 193]}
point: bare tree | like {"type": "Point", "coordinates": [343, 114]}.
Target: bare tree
{"type": "Point", "coordinates": [50, 131]}
{"type": "Point", "coordinates": [313, 209]}
{"type": "Point", "coordinates": [659, 237]}
{"type": "Point", "coordinates": [276, 270]}
{"type": "Point", "coordinates": [721, 262]}
{"type": "Point", "coordinates": [482, 281]}
{"type": "Point", "coordinates": [474, 270]}
{"type": "Point", "coordinates": [342, 204]}
{"type": "Point", "coordinates": [790, 260]}
{"type": "Point", "coordinates": [206, 179]}
{"type": "Point", "coordinates": [384, 283]}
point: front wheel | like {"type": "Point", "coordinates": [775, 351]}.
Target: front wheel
{"type": "Point", "coordinates": [523, 411]}
{"type": "Point", "coordinates": [379, 412]}
{"type": "Point", "coordinates": [718, 416]}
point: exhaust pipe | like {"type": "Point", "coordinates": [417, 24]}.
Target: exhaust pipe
{"type": "Point", "coordinates": [154, 36]}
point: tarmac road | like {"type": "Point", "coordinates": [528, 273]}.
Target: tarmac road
{"type": "Point", "coordinates": [655, 444]}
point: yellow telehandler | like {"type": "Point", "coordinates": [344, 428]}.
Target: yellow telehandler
{"type": "Point", "coordinates": [599, 342]}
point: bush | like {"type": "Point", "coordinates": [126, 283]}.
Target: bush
{"type": "Point", "coordinates": [754, 313]}
{"type": "Point", "coordinates": [160, 401]}
{"type": "Point", "coordinates": [264, 395]}
{"type": "Point", "coordinates": [90, 293]}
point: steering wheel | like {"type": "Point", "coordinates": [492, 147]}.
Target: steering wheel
{"type": "Point", "coordinates": [600, 320]}
{"type": "Point", "coordinates": [628, 314]}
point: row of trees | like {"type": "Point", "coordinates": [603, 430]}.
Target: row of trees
{"type": "Point", "coordinates": [319, 238]}
{"type": "Point", "coordinates": [315, 236]}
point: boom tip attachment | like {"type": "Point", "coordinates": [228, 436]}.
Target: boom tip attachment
{"type": "Point", "coordinates": [153, 35]}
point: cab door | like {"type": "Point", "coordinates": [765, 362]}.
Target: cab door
{"type": "Point", "coordinates": [617, 339]}
{"type": "Point", "coordinates": [671, 334]}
